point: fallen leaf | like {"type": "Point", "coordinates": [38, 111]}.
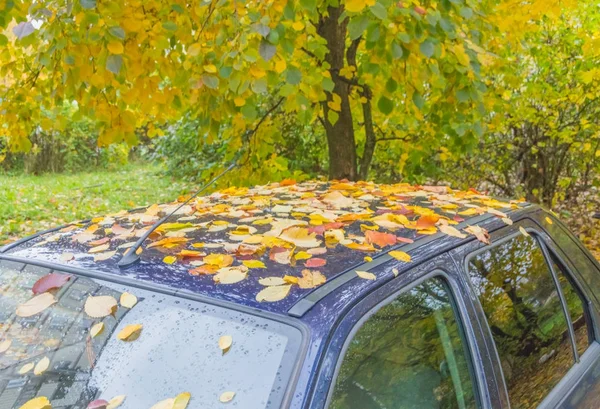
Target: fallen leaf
{"type": "Point", "coordinates": [206, 269]}
{"type": "Point", "coordinates": [168, 241]}
{"type": "Point", "coordinates": [116, 402]}
{"type": "Point", "coordinates": [4, 345]}
{"type": "Point", "coordinates": [67, 257]}
{"type": "Point", "coordinates": [497, 213]}
{"type": "Point", "coordinates": [315, 262]}
{"type": "Point", "coordinates": [290, 279]}
{"type": "Point", "coordinates": [219, 260]}
{"type": "Point", "coordinates": [104, 256]}
{"type": "Point", "coordinates": [479, 232]}
{"type": "Point", "coordinates": [100, 306]}
{"type": "Point", "coordinates": [231, 275]}
{"type": "Point", "coordinates": [337, 200]}
{"type": "Point", "coordinates": [548, 220]}
{"type": "Point", "coordinates": [427, 221]}
{"type": "Point", "coordinates": [41, 402]}
{"type": "Point", "coordinates": [273, 293]}
{"type": "Point", "coordinates": [35, 305]}
{"type": "Point", "coordinates": [131, 332]}
{"type": "Point", "coordinates": [226, 397]}
{"type": "Point", "coordinates": [97, 404]}
{"type": "Point", "coordinates": [523, 231]}
{"type": "Point", "coordinates": [98, 242]}
{"type": "Point", "coordinates": [302, 255]}
{"type": "Point", "coordinates": [395, 272]}
{"type": "Point", "coordinates": [366, 275]}
{"type": "Point", "coordinates": [317, 251]}
{"type": "Point", "coordinates": [361, 246]}
{"type": "Point", "coordinates": [270, 281]}
{"type": "Point", "coordinates": [128, 300]}
{"type": "Point", "coordinates": [96, 329]}
{"type": "Point", "coordinates": [451, 231]}
{"type": "Point", "coordinates": [311, 279]}
{"type": "Point", "coordinates": [169, 259]}
{"type": "Point", "coordinates": [99, 249]}
{"type": "Point", "coordinates": [400, 255]}
{"type": "Point", "coordinates": [182, 400]}
{"type": "Point", "coordinates": [191, 253]}
{"type": "Point", "coordinates": [299, 236]}
{"type": "Point", "coordinates": [50, 282]}
{"type": "Point", "coordinates": [41, 366]}
{"type": "Point", "coordinates": [26, 368]}
{"type": "Point", "coordinates": [379, 238]}
{"type": "Point", "coordinates": [254, 264]}
{"type": "Point", "coordinates": [225, 343]}
{"type": "Point", "coordinates": [164, 404]}
{"type": "Point", "coordinates": [507, 221]}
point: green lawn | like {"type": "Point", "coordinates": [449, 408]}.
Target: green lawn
{"type": "Point", "coordinates": [32, 203]}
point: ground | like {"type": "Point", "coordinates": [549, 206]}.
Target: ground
{"type": "Point", "coordinates": [31, 203]}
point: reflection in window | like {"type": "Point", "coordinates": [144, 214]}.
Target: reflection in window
{"type": "Point", "coordinates": [526, 318]}
{"type": "Point", "coordinates": [409, 354]}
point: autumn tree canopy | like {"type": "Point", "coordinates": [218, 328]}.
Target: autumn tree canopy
{"type": "Point", "coordinates": [367, 72]}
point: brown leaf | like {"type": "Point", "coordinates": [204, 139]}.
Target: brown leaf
{"type": "Point", "coordinates": [50, 282]}
{"type": "Point", "coordinates": [35, 305]}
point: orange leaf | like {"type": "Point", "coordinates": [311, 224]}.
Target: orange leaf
{"type": "Point", "coordinates": [427, 221]}
{"type": "Point", "coordinates": [379, 238]}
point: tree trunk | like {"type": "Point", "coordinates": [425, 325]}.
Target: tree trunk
{"type": "Point", "coordinates": [340, 135]}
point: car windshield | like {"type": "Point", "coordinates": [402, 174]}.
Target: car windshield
{"type": "Point", "coordinates": [178, 349]}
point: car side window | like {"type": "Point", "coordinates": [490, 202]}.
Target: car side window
{"type": "Point", "coordinates": [409, 354]}
{"type": "Point", "coordinates": [522, 304]}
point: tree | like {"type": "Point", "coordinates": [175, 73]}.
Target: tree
{"type": "Point", "coordinates": [367, 71]}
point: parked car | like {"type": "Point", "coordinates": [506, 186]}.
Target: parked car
{"type": "Point", "coordinates": [306, 295]}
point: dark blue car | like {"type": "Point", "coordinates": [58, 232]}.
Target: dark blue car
{"type": "Point", "coordinates": [315, 295]}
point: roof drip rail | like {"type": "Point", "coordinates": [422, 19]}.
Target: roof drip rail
{"type": "Point", "coordinates": [131, 257]}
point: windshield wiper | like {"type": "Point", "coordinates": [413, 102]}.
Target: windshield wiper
{"type": "Point", "coordinates": [131, 257]}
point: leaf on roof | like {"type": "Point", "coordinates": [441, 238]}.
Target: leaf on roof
{"type": "Point", "coordinates": [311, 279]}
{"type": "Point", "coordinates": [50, 282]}
{"type": "Point", "coordinates": [219, 260]}
{"type": "Point", "coordinates": [206, 269]}
{"type": "Point", "coordinates": [226, 397]}
{"type": "Point", "coordinates": [273, 293]}
{"type": "Point", "coordinates": [317, 251]}
{"type": "Point", "coordinates": [302, 255]}
{"type": "Point", "coordinates": [168, 242]}
{"type": "Point", "coordinates": [427, 221]}
{"type": "Point", "coordinates": [479, 232]}
{"type": "Point", "coordinates": [361, 246]}
{"type": "Point", "coordinates": [337, 200]}
{"type": "Point", "coordinates": [128, 300]}
{"type": "Point", "coordinates": [400, 255]}
{"type": "Point", "coordinates": [254, 264]}
{"type": "Point", "coordinates": [35, 305]}
{"type": "Point", "coordinates": [507, 221]}
{"type": "Point", "coordinates": [96, 329]}
{"type": "Point", "coordinates": [66, 257]}
{"type": "Point", "coordinates": [451, 231]}
{"type": "Point", "coordinates": [299, 236]}
{"type": "Point", "coordinates": [231, 275]}
{"type": "Point", "coordinates": [169, 259]}
{"type": "Point", "coordinates": [270, 281]}
{"type": "Point", "coordinates": [366, 275]}
{"type": "Point", "coordinates": [315, 262]}
{"type": "Point", "coordinates": [130, 332]}
{"type": "Point", "coordinates": [379, 238]}
{"type": "Point", "coordinates": [225, 342]}
{"type": "Point", "coordinates": [100, 306]}
{"type": "Point", "coordinates": [496, 212]}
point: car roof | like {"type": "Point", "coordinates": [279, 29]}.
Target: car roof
{"type": "Point", "coordinates": [303, 234]}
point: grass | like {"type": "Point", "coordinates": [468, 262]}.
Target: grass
{"type": "Point", "coordinates": [31, 203]}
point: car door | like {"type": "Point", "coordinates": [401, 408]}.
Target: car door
{"type": "Point", "coordinates": [539, 315]}
{"type": "Point", "coordinates": [410, 344]}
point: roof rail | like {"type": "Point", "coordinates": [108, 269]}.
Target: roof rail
{"type": "Point", "coordinates": [303, 305]}
{"type": "Point", "coordinates": [131, 257]}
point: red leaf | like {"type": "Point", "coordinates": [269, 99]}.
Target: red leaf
{"type": "Point", "coordinates": [379, 238]}
{"type": "Point", "coordinates": [97, 404]}
{"type": "Point", "coordinates": [475, 191]}
{"type": "Point", "coordinates": [49, 282]}
{"type": "Point", "coordinates": [458, 219]}
{"type": "Point", "coordinates": [420, 10]}
{"type": "Point", "coordinates": [319, 230]}
{"type": "Point", "coordinates": [315, 262]}
{"type": "Point", "coordinates": [427, 221]}
{"type": "Point", "coordinates": [404, 240]}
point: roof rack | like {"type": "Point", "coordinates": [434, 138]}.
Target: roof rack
{"type": "Point", "coordinates": [303, 305]}
{"type": "Point", "coordinates": [131, 257]}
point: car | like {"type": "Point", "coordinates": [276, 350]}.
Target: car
{"type": "Point", "coordinates": [312, 295]}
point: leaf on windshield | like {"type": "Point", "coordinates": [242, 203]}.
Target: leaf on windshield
{"type": "Point", "coordinates": [99, 249]}
{"type": "Point", "coordinates": [26, 368]}
{"type": "Point", "coordinates": [131, 332]}
{"type": "Point", "coordinates": [226, 397]}
{"type": "Point", "coordinates": [168, 242]}
{"type": "Point", "coordinates": [115, 402]}
{"type": "Point", "coordinates": [35, 305]}
{"type": "Point", "coordinates": [128, 300]}
{"type": "Point", "coordinates": [41, 366]}
{"type": "Point", "coordinates": [225, 343]}
{"type": "Point", "coordinates": [40, 402]}
{"type": "Point", "coordinates": [366, 275]}
{"type": "Point", "coordinates": [311, 279]}
{"type": "Point", "coordinates": [50, 282]}
{"type": "Point", "coordinates": [97, 404]}
{"type": "Point", "coordinates": [4, 345]}
{"type": "Point", "coordinates": [273, 293]}
{"type": "Point", "coordinates": [100, 306]}
{"type": "Point", "coordinates": [104, 256]}
{"type": "Point", "coordinates": [300, 237]}
{"type": "Point", "coordinates": [182, 400]}
{"type": "Point", "coordinates": [231, 275]}
{"type": "Point", "coordinates": [96, 329]}
{"type": "Point", "coordinates": [164, 404]}
{"type": "Point", "coordinates": [400, 255]}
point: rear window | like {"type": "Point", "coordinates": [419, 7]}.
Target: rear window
{"type": "Point", "coordinates": [177, 350]}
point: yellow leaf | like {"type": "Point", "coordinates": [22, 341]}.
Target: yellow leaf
{"type": "Point", "coordinates": [361, 246]}
{"type": "Point", "coordinates": [239, 101]}
{"type": "Point", "coordinates": [231, 275]}
{"type": "Point", "coordinates": [300, 237]}
{"type": "Point", "coordinates": [164, 404]}
{"type": "Point", "coordinates": [270, 281]}
{"type": "Point", "coordinates": [35, 305]}
{"type": "Point", "coordinates": [507, 220]}
{"type": "Point", "coordinates": [548, 220]}
{"type": "Point", "coordinates": [368, 259]}
{"type": "Point", "coordinates": [254, 264]}
{"type": "Point", "coordinates": [169, 259]}
{"type": "Point", "coordinates": [41, 366]}
{"type": "Point", "coordinates": [210, 68]}
{"type": "Point", "coordinates": [302, 255]}
{"type": "Point", "coordinates": [100, 306]}
{"type": "Point", "coordinates": [273, 293]}
{"type": "Point", "coordinates": [366, 275]}
{"type": "Point", "coordinates": [355, 6]}
{"type": "Point", "coordinates": [225, 343]}
{"type": "Point", "coordinates": [41, 402]}
{"type": "Point", "coordinates": [115, 402]}
{"type": "Point", "coordinates": [4, 345]}
{"type": "Point", "coordinates": [400, 255]}
{"type": "Point", "coordinates": [290, 279]}
{"type": "Point", "coordinates": [115, 47]}
{"type": "Point", "coordinates": [194, 49]}
{"type": "Point", "coordinates": [280, 66]}
{"type": "Point", "coordinates": [219, 260]}
{"type": "Point", "coordinates": [298, 25]}
{"type": "Point", "coordinates": [131, 332]}
{"type": "Point", "coordinates": [96, 329]}
{"type": "Point", "coordinates": [523, 231]}
{"type": "Point", "coordinates": [128, 300]}
{"type": "Point", "coordinates": [395, 272]}
{"type": "Point", "coordinates": [26, 368]}
{"type": "Point", "coordinates": [226, 397]}
{"type": "Point", "coordinates": [182, 400]}
{"type": "Point", "coordinates": [311, 279]}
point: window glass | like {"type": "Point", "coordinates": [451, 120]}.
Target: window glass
{"type": "Point", "coordinates": [177, 350]}
{"type": "Point", "coordinates": [409, 354]}
{"type": "Point", "coordinates": [575, 305]}
{"type": "Point", "coordinates": [526, 318]}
